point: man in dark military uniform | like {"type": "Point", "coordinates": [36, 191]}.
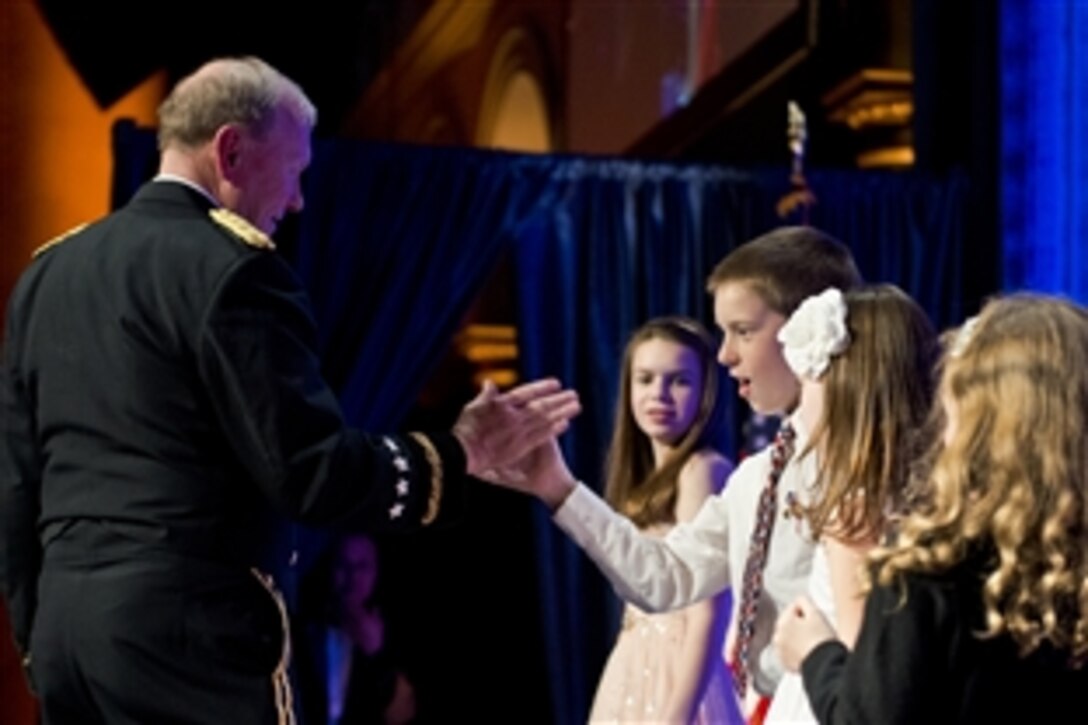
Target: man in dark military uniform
{"type": "Point", "coordinates": [160, 393]}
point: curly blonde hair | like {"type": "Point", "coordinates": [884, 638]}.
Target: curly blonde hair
{"type": "Point", "coordinates": [1010, 476]}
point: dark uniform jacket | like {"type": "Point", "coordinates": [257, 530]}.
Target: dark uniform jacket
{"type": "Point", "coordinates": [161, 394]}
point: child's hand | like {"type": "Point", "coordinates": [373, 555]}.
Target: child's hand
{"type": "Point", "coordinates": [542, 472]}
{"type": "Point", "coordinates": [800, 627]}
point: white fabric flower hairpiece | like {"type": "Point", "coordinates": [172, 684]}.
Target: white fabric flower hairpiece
{"type": "Point", "coordinates": [963, 337]}
{"type": "Point", "coordinates": [814, 333]}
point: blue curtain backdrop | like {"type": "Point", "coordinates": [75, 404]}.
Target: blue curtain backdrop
{"type": "Point", "coordinates": [1044, 154]}
{"type": "Point", "coordinates": [394, 244]}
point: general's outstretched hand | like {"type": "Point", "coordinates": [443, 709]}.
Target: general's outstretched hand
{"type": "Point", "coordinates": [496, 429]}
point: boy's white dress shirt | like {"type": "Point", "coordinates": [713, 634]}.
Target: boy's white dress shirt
{"type": "Point", "coordinates": [701, 557]}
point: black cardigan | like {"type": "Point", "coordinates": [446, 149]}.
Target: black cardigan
{"type": "Point", "coordinates": [921, 661]}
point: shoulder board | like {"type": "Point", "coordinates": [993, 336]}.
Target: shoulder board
{"type": "Point", "coordinates": [56, 240]}
{"type": "Point", "coordinates": [242, 228]}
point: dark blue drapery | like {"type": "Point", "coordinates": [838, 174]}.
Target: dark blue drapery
{"type": "Point", "coordinates": [393, 245]}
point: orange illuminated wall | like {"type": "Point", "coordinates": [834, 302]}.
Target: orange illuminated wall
{"type": "Point", "coordinates": [55, 167]}
{"type": "Point", "coordinates": [55, 153]}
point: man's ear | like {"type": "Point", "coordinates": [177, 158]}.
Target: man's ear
{"type": "Point", "coordinates": [228, 145]}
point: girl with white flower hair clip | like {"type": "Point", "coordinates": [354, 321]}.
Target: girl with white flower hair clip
{"type": "Point", "coordinates": [866, 364]}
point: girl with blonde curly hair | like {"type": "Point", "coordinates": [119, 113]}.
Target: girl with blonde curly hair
{"type": "Point", "coordinates": [978, 611]}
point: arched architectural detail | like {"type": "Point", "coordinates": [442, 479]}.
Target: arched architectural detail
{"type": "Point", "coordinates": [517, 108]}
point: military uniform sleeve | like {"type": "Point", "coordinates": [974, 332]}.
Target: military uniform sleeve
{"type": "Point", "coordinates": [898, 670]}
{"type": "Point", "coordinates": [259, 363]}
{"type": "Point", "coordinates": [20, 483]}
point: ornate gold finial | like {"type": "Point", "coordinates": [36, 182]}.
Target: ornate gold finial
{"type": "Point", "coordinates": [800, 196]}
{"type": "Point", "coordinates": [796, 129]}
{"type": "Point", "coordinates": [242, 228]}
{"type": "Point", "coordinates": [56, 240]}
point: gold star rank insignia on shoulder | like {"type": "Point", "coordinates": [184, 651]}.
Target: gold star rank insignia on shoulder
{"type": "Point", "coordinates": [57, 240]}
{"type": "Point", "coordinates": [242, 228]}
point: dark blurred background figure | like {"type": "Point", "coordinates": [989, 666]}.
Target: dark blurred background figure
{"type": "Point", "coordinates": [349, 668]}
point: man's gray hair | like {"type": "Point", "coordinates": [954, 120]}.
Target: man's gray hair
{"type": "Point", "coordinates": [246, 91]}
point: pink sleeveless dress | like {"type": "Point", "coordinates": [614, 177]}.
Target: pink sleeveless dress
{"type": "Point", "coordinates": [642, 670]}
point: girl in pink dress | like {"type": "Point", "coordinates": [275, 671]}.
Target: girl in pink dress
{"type": "Point", "coordinates": [661, 466]}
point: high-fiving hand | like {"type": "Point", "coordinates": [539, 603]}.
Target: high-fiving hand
{"type": "Point", "coordinates": [496, 429]}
